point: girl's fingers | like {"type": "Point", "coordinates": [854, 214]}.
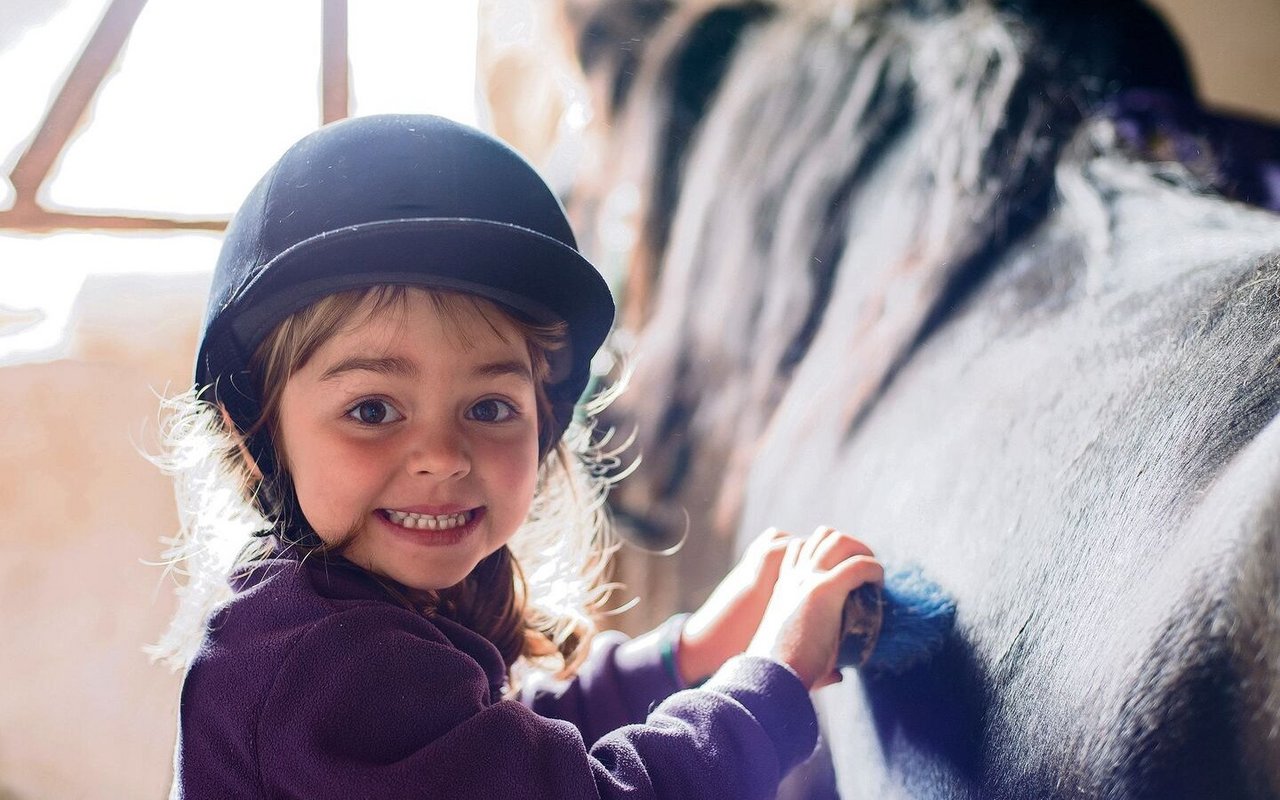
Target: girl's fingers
{"type": "Point", "coordinates": [769, 541]}
{"type": "Point", "coordinates": [769, 560]}
{"type": "Point", "coordinates": [767, 537]}
{"type": "Point", "coordinates": [836, 548]}
{"type": "Point", "coordinates": [855, 571]}
{"type": "Point", "coordinates": [814, 540]}
{"type": "Point", "coordinates": [791, 557]}
{"type": "Point", "coordinates": [776, 534]}
{"type": "Point", "coordinates": [822, 551]}
{"type": "Point", "coordinates": [777, 541]}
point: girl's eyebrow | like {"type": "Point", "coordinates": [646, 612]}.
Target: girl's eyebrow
{"type": "Point", "coordinates": [405, 368]}
{"type": "Point", "coordinates": [499, 368]}
{"type": "Point", "coordinates": [384, 365]}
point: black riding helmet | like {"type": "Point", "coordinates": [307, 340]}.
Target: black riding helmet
{"type": "Point", "coordinates": [413, 200]}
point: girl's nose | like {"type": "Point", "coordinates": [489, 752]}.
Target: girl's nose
{"type": "Point", "coordinates": [440, 452]}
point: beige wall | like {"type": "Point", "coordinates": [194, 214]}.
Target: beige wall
{"type": "Point", "coordinates": [82, 712]}
{"type": "Point", "coordinates": [1234, 48]}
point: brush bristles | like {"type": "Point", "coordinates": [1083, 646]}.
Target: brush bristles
{"type": "Point", "coordinates": [918, 617]}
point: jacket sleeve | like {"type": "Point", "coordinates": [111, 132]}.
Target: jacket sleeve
{"type": "Point", "coordinates": [619, 684]}
{"type": "Point", "coordinates": [362, 707]}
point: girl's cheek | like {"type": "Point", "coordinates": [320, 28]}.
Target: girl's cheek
{"type": "Point", "coordinates": [516, 459]}
{"type": "Point", "coordinates": [331, 469]}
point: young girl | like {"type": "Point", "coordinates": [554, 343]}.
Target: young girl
{"type": "Point", "coordinates": [398, 330]}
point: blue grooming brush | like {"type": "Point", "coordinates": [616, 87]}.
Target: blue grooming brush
{"type": "Point", "coordinates": [890, 630]}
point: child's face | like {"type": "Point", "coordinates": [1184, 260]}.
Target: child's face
{"type": "Point", "coordinates": [418, 432]}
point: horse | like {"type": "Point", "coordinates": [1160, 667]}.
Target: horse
{"type": "Point", "coordinates": [981, 282]}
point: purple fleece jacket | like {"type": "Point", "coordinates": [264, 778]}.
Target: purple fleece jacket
{"type": "Point", "coordinates": [313, 683]}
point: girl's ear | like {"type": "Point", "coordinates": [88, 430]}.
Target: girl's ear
{"type": "Point", "coordinates": [234, 430]}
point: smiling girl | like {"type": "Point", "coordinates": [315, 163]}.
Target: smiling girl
{"type": "Point", "coordinates": [383, 426]}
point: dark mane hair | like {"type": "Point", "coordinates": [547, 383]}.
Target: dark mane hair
{"type": "Point", "coordinates": [903, 145]}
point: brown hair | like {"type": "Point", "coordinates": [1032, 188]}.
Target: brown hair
{"type": "Point", "coordinates": [492, 600]}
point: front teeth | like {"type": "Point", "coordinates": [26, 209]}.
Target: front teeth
{"type": "Point", "coordinates": [429, 522]}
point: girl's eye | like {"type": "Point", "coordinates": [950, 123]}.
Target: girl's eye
{"type": "Point", "coordinates": [374, 412]}
{"type": "Point", "coordinates": [491, 410]}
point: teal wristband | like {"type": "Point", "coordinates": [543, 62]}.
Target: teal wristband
{"type": "Point", "coordinates": [669, 646]}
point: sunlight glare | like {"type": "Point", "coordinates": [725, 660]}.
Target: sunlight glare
{"type": "Point", "coordinates": [408, 56]}
{"type": "Point", "coordinates": [33, 64]}
{"type": "Point", "coordinates": [205, 97]}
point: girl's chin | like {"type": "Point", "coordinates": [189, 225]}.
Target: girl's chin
{"type": "Point", "coordinates": [429, 578]}
{"type": "Point", "coordinates": [424, 584]}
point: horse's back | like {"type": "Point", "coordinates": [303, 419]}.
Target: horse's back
{"type": "Point", "coordinates": [1087, 456]}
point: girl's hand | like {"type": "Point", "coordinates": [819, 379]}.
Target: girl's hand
{"type": "Point", "coordinates": [801, 626]}
{"type": "Point", "coordinates": [723, 626]}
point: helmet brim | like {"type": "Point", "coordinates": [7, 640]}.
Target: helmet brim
{"type": "Point", "coordinates": [536, 276]}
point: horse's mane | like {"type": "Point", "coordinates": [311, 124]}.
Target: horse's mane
{"type": "Point", "coordinates": [778, 151]}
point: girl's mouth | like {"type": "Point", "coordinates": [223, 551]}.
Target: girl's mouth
{"type": "Point", "coordinates": [429, 522]}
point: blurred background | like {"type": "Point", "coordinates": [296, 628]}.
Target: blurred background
{"type": "Point", "coordinates": [129, 131]}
